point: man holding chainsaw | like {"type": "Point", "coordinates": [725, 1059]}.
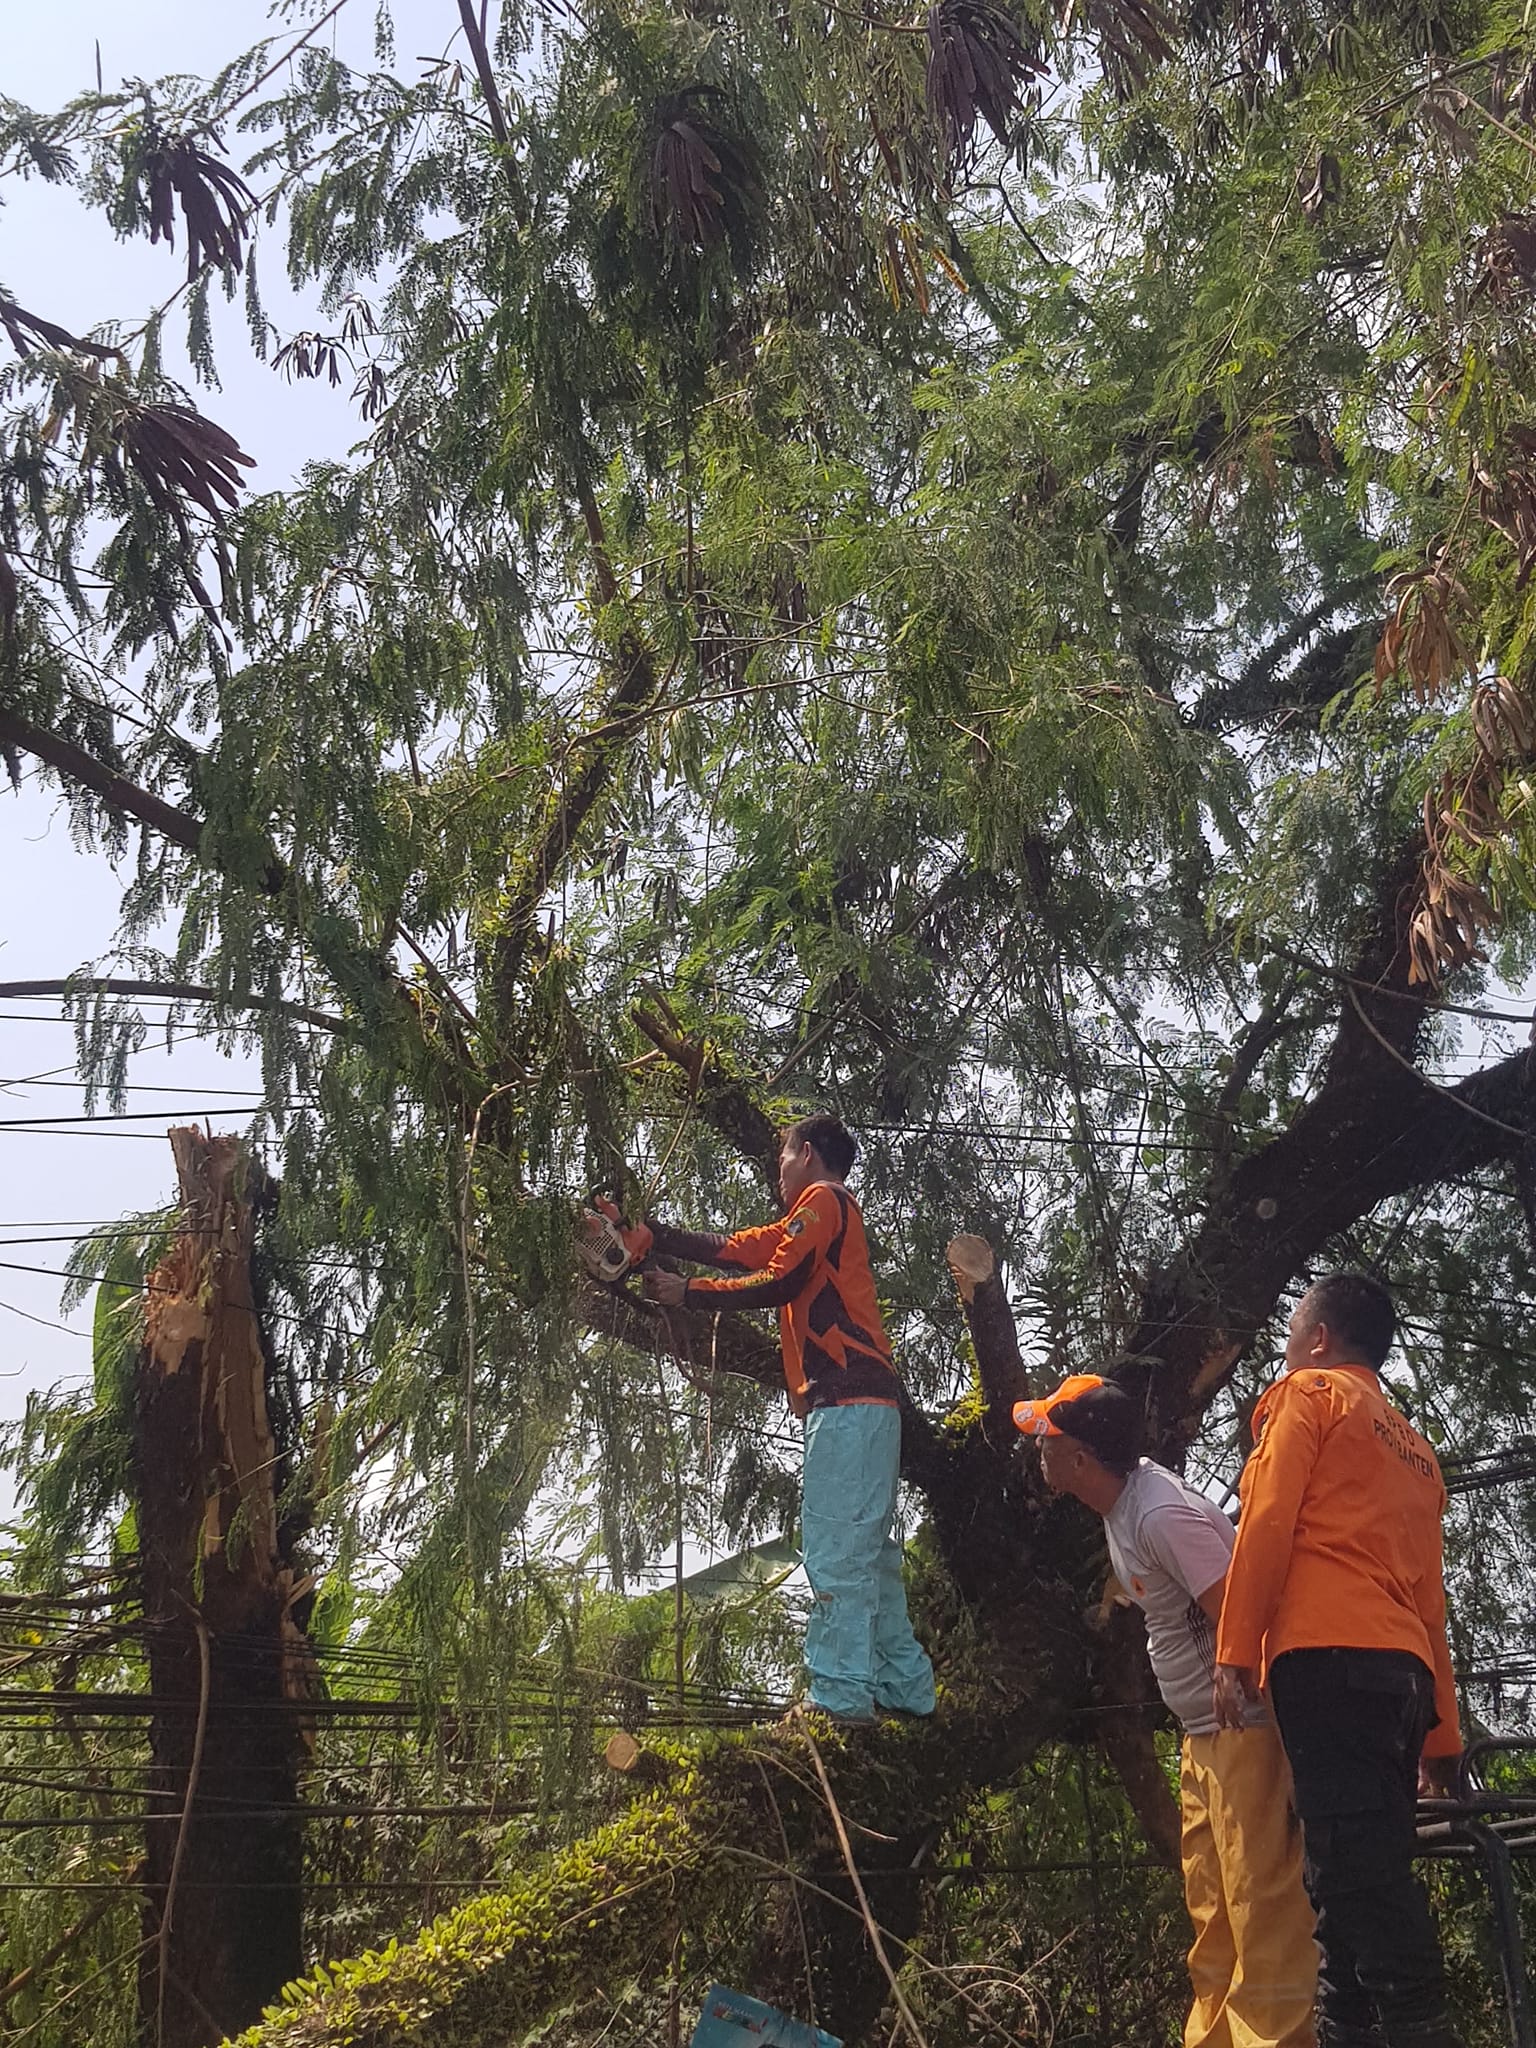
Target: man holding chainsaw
{"type": "Point", "coordinates": [813, 1267]}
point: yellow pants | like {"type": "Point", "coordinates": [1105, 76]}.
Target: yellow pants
{"type": "Point", "coordinates": [1253, 1965]}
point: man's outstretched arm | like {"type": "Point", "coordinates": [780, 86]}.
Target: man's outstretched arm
{"type": "Point", "coordinates": [744, 1252]}
{"type": "Point", "coordinates": [792, 1247]}
{"type": "Point", "coordinates": [696, 1247]}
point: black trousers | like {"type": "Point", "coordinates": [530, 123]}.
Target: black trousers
{"type": "Point", "coordinates": [1353, 1723]}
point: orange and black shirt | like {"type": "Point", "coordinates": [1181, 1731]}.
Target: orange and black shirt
{"type": "Point", "coordinates": [813, 1267]}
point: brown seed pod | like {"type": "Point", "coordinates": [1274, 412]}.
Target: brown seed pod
{"type": "Point", "coordinates": [696, 172]}
{"type": "Point", "coordinates": [1133, 36]}
{"type": "Point", "coordinates": [978, 66]}
{"type": "Point", "coordinates": [1508, 274]}
{"type": "Point", "coordinates": [28, 332]}
{"type": "Point", "coordinates": [216, 204]}
{"type": "Point", "coordinates": [1421, 637]}
{"type": "Point", "coordinates": [1506, 497]}
{"type": "Point", "coordinates": [9, 599]}
{"type": "Point", "coordinates": [1323, 189]}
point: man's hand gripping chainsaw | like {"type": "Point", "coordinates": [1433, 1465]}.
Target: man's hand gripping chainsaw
{"type": "Point", "coordinates": [610, 1248]}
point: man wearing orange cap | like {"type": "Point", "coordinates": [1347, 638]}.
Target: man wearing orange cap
{"type": "Point", "coordinates": [1336, 1599]}
{"type": "Point", "coordinates": [1253, 1964]}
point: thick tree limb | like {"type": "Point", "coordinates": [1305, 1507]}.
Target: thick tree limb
{"type": "Point", "coordinates": [491, 1970]}
{"type": "Point", "coordinates": [218, 1585]}
{"type": "Point", "coordinates": [1266, 1030]}
{"type": "Point", "coordinates": [62, 755]}
{"type": "Point", "coordinates": [475, 37]}
{"type": "Point", "coordinates": [1126, 1710]}
{"type": "Point", "coordinates": [720, 1098]}
{"type": "Point", "coordinates": [1262, 690]}
{"type": "Point", "coordinates": [182, 828]}
{"type": "Point", "coordinates": [572, 804]}
{"type": "Point", "coordinates": [994, 1334]}
{"type": "Point", "coordinates": [1376, 1127]}
{"type": "Point", "coordinates": [720, 1343]}
{"type": "Point", "coordinates": [1126, 1739]}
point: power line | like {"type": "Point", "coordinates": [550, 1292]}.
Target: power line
{"type": "Point", "coordinates": [143, 1137]}
{"type": "Point", "coordinates": [87, 1235]}
{"type": "Point", "coordinates": [212, 1808]}
{"type": "Point", "coordinates": [128, 1087]}
{"type": "Point", "coordinates": [974, 1874]}
{"type": "Point", "coordinates": [73, 1023]}
{"type": "Point", "coordinates": [43, 1322]}
{"type": "Point", "coordinates": [77, 1226]}
{"type": "Point", "coordinates": [135, 1116]}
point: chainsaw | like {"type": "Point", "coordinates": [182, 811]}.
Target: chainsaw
{"type": "Point", "coordinates": [610, 1248]}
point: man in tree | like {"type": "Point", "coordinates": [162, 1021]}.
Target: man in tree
{"type": "Point", "coordinates": [1335, 1597]}
{"type": "Point", "coordinates": [1253, 1964]}
{"type": "Point", "coordinates": [813, 1267]}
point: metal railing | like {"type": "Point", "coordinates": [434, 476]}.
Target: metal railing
{"type": "Point", "coordinates": [1492, 1827]}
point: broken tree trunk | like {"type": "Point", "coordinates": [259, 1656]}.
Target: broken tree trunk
{"type": "Point", "coordinates": [222, 1916]}
{"type": "Point", "coordinates": [994, 1334]}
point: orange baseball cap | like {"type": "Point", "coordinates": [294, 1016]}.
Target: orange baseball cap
{"type": "Point", "coordinates": [1033, 1418]}
{"type": "Point", "coordinates": [1097, 1413]}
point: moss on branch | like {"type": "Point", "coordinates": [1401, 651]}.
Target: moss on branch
{"type": "Point", "coordinates": [491, 1971]}
{"type": "Point", "coordinates": [484, 1972]}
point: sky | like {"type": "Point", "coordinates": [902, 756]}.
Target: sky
{"type": "Point", "coordinates": [58, 903]}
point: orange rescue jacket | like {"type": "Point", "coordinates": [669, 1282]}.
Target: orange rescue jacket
{"type": "Point", "coordinates": [813, 1267]}
{"type": "Point", "coordinates": [1339, 1542]}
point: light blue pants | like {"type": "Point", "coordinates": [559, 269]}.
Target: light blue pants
{"type": "Point", "coordinates": [859, 1647]}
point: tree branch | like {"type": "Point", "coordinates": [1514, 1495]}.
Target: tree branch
{"type": "Point", "coordinates": [1127, 1708]}
{"type": "Point", "coordinates": [186, 830]}
{"type": "Point", "coordinates": [65, 758]}
{"type": "Point", "coordinates": [1375, 1128]}
{"type": "Point", "coordinates": [482, 59]}
{"type": "Point", "coordinates": [571, 805]}
{"type": "Point", "coordinates": [721, 1098]}
{"type": "Point", "coordinates": [182, 828]}
{"type": "Point", "coordinates": [1260, 691]}
{"type": "Point", "coordinates": [723, 1342]}
{"type": "Point", "coordinates": [67, 1940]}
{"type": "Point", "coordinates": [995, 1336]}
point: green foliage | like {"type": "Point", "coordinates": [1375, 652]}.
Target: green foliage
{"type": "Point", "coordinates": [516, 1950]}
{"type": "Point", "coordinates": [913, 605]}
{"type": "Point", "coordinates": [72, 1449]}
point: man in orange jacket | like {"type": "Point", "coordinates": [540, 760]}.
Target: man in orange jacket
{"type": "Point", "coordinates": [1335, 1598]}
{"type": "Point", "coordinates": [813, 1267]}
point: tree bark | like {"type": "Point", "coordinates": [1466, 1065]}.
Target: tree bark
{"type": "Point", "coordinates": [1375, 1127]}
{"type": "Point", "coordinates": [227, 1663]}
{"type": "Point", "coordinates": [1125, 1713]}
{"type": "Point", "coordinates": [572, 803]}
{"type": "Point", "coordinates": [722, 1099]}
{"type": "Point", "coordinates": [994, 1334]}
{"type": "Point", "coordinates": [116, 791]}
{"type": "Point", "coordinates": [701, 1342]}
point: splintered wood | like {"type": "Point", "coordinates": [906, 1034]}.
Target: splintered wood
{"type": "Point", "coordinates": [199, 1306]}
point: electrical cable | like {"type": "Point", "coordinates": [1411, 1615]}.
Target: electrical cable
{"type": "Point", "coordinates": [131, 1087]}
{"type": "Point", "coordinates": [191, 1112]}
